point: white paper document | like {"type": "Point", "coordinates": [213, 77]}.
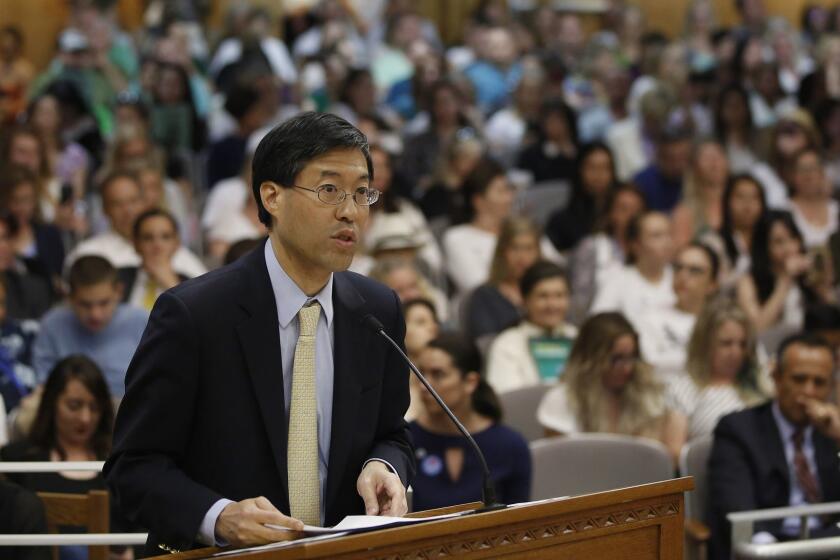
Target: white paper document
{"type": "Point", "coordinates": [361, 523]}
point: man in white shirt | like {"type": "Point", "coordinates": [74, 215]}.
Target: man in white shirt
{"type": "Point", "coordinates": [122, 203]}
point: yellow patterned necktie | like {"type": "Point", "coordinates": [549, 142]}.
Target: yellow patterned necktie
{"type": "Point", "coordinates": [302, 452]}
{"type": "Point", "coordinates": [150, 295]}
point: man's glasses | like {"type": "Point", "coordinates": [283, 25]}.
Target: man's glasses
{"type": "Point", "coordinates": [330, 194]}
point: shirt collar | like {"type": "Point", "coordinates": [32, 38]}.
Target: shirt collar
{"type": "Point", "coordinates": [786, 428]}
{"type": "Point", "coordinates": [288, 296]}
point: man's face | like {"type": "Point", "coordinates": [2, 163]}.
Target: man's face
{"type": "Point", "coordinates": [693, 280]}
{"type": "Point", "coordinates": [94, 305]}
{"type": "Point", "coordinates": [804, 373]}
{"type": "Point", "coordinates": [655, 242]}
{"type": "Point", "coordinates": [320, 238]}
{"type": "Point", "coordinates": [674, 158]}
{"type": "Point", "coordinates": [122, 204]}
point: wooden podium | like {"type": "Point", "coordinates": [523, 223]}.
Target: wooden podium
{"type": "Point", "coordinates": [632, 523]}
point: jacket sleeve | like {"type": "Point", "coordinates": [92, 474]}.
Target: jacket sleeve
{"type": "Point", "coordinates": [153, 427]}
{"type": "Point", "coordinates": [393, 439]}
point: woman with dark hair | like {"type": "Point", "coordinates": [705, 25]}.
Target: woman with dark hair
{"type": "Point", "coordinates": [37, 244]}
{"type": "Point", "coordinates": [468, 247]}
{"type": "Point", "coordinates": [603, 251]}
{"type": "Point", "coordinates": [814, 210]}
{"type": "Point", "coordinates": [593, 181]}
{"type": "Point", "coordinates": [534, 351]}
{"type": "Point", "coordinates": [175, 124]}
{"type": "Point", "coordinates": [447, 119]}
{"type": "Point", "coordinates": [74, 422]}
{"type": "Point", "coordinates": [743, 207]}
{"type": "Point", "coordinates": [782, 280]}
{"type": "Point", "coordinates": [552, 157]}
{"type": "Point", "coordinates": [357, 100]}
{"type": "Point", "coordinates": [497, 304]}
{"type": "Point", "coordinates": [448, 471]}
{"type": "Point", "coordinates": [734, 127]}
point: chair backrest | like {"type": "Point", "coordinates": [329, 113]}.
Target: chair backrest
{"type": "Point", "coordinates": [90, 511]}
{"type": "Point", "coordinates": [520, 410]}
{"type": "Point", "coordinates": [539, 201]}
{"type": "Point", "coordinates": [694, 460]}
{"type": "Point", "coordinates": [586, 463]}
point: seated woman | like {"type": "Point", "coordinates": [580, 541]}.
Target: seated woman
{"type": "Point", "coordinates": [606, 387]}
{"type": "Point", "coordinates": [600, 254]}
{"type": "Point", "coordinates": [37, 244]}
{"type": "Point", "coordinates": [469, 247]}
{"type": "Point", "coordinates": [421, 326]}
{"type": "Point", "coordinates": [536, 350]}
{"type": "Point", "coordinates": [722, 375]}
{"type": "Point", "coordinates": [814, 210]}
{"type": "Point", "coordinates": [497, 305]}
{"type": "Point", "coordinates": [782, 282]}
{"type": "Point", "coordinates": [74, 422]}
{"type": "Point", "coordinates": [701, 208]}
{"type": "Point", "coordinates": [448, 470]}
{"type": "Point", "coordinates": [156, 241]}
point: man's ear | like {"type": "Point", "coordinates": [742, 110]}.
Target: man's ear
{"type": "Point", "coordinates": [272, 196]}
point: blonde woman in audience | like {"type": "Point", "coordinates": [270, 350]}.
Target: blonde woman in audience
{"type": "Point", "coordinates": [469, 246]}
{"type": "Point", "coordinates": [646, 282]}
{"type": "Point", "coordinates": [723, 375]}
{"type": "Point", "coordinates": [536, 350]}
{"type": "Point", "coordinates": [606, 387]}
{"type": "Point", "coordinates": [600, 254]}
{"type": "Point", "coordinates": [498, 304]}
{"type": "Point", "coordinates": [701, 209]}
{"type": "Point", "coordinates": [443, 199]}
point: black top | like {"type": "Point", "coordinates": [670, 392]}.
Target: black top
{"type": "Point", "coordinates": [45, 482]}
{"type": "Point", "coordinates": [28, 296]}
{"type": "Point", "coordinates": [490, 312]}
{"type": "Point", "coordinates": [21, 512]}
{"type": "Point", "coordinates": [544, 167]}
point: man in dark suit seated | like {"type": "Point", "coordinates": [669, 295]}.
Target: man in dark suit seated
{"type": "Point", "coordinates": [781, 453]}
{"type": "Point", "coordinates": [256, 395]}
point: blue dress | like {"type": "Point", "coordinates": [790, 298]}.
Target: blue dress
{"type": "Point", "coordinates": [508, 458]}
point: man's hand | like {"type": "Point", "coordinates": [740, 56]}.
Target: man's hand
{"type": "Point", "coordinates": [382, 490]}
{"type": "Point", "coordinates": [823, 416]}
{"type": "Point", "coordinates": [243, 523]}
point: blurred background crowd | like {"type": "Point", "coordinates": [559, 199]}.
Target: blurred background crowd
{"type": "Point", "coordinates": [630, 215]}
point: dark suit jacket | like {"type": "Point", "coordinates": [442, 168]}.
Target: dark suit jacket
{"type": "Point", "coordinates": [50, 248]}
{"type": "Point", "coordinates": [748, 470]}
{"type": "Point", "coordinates": [203, 415]}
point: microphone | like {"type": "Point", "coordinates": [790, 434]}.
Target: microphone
{"type": "Point", "coordinates": [488, 492]}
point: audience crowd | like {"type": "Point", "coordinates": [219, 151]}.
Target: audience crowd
{"type": "Point", "coordinates": [636, 220]}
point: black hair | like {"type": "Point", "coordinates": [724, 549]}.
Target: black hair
{"type": "Point", "coordinates": [91, 270]}
{"type": "Point", "coordinates": [726, 91]}
{"type": "Point", "coordinates": [726, 228]}
{"type": "Point", "coordinates": [612, 197]}
{"type": "Point", "coordinates": [539, 271]}
{"type": "Point", "coordinates": [557, 105]}
{"type": "Point", "coordinates": [241, 248]}
{"type": "Point", "coordinates": [478, 181]}
{"type": "Point", "coordinates": [822, 115]}
{"type": "Point", "coordinates": [83, 369]}
{"type": "Point", "coordinates": [350, 81]}
{"type": "Point", "coordinates": [761, 267]}
{"type": "Point", "coordinates": [714, 260]}
{"type": "Point", "coordinates": [804, 338]}
{"type": "Point", "coordinates": [153, 213]}
{"type": "Point", "coordinates": [240, 99]}
{"type": "Point", "coordinates": [290, 146]}
{"type": "Point", "coordinates": [466, 358]}
{"type": "Point", "coordinates": [421, 302]}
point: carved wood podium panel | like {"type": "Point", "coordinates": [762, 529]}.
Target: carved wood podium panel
{"type": "Point", "coordinates": [638, 523]}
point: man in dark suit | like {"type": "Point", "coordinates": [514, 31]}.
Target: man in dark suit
{"type": "Point", "coordinates": [208, 444]}
{"type": "Point", "coordinates": [779, 454]}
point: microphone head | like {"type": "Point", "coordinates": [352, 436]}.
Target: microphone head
{"type": "Point", "coordinates": [372, 323]}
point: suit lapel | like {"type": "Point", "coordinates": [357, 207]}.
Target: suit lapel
{"type": "Point", "coordinates": [825, 455]}
{"type": "Point", "coordinates": [350, 340]}
{"type": "Point", "coordinates": [775, 447]}
{"type": "Point", "coordinates": [259, 335]}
